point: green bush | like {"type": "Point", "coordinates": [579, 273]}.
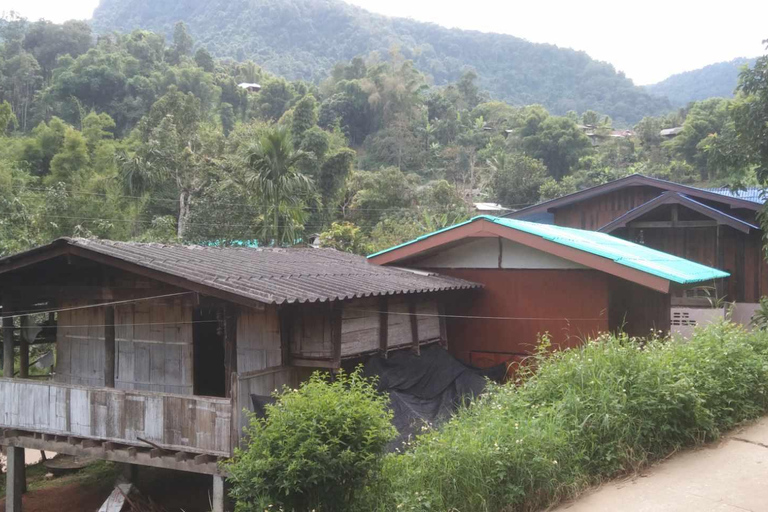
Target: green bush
{"type": "Point", "coordinates": [583, 415]}
{"type": "Point", "coordinates": [315, 447]}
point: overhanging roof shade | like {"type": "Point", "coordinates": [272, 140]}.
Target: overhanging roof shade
{"type": "Point", "coordinates": [683, 200]}
{"type": "Point", "coordinates": [752, 199]}
{"type": "Point", "coordinates": [601, 251]}
{"type": "Point", "coordinates": [248, 275]}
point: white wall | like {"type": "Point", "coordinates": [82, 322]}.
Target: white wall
{"type": "Point", "coordinates": [683, 321]}
{"type": "Point", "coordinates": [484, 253]}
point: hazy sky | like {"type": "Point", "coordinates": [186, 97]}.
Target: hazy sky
{"type": "Point", "coordinates": [648, 40]}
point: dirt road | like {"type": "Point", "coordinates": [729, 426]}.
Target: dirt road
{"type": "Point", "coordinates": [729, 476]}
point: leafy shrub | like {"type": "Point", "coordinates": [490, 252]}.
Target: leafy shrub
{"type": "Point", "coordinates": [315, 447]}
{"type": "Point", "coordinates": [759, 319]}
{"type": "Point", "coordinates": [581, 416]}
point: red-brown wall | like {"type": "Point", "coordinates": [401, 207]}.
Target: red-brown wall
{"type": "Point", "coordinates": [569, 304]}
{"type": "Point", "coordinates": [637, 310]}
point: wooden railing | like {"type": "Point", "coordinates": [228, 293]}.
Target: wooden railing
{"type": "Point", "coordinates": [173, 422]}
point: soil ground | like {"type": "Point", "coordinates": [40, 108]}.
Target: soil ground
{"type": "Point", "coordinates": [86, 490]}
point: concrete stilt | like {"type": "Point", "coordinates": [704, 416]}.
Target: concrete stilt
{"type": "Point", "coordinates": [218, 493]}
{"type": "Point", "coordinates": [129, 472]}
{"type": "Point", "coordinates": [15, 479]}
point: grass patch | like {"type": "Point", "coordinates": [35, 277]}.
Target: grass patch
{"type": "Point", "coordinates": [584, 415]}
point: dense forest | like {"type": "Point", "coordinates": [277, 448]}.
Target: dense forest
{"type": "Point", "coordinates": [127, 136]}
{"type": "Point", "coordinates": [713, 81]}
{"type": "Point", "coordinates": [303, 39]}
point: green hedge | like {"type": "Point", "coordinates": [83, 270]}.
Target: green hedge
{"type": "Point", "coordinates": [583, 416]}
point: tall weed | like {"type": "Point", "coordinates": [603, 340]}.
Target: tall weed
{"type": "Point", "coordinates": [579, 416]}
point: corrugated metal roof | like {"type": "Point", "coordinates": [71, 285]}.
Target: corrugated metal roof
{"type": "Point", "coordinates": [272, 276]}
{"type": "Point", "coordinates": [620, 251]}
{"type": "Point", "coordinates": [754, 194]}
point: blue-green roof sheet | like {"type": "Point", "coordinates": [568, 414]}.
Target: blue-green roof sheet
{"type": "Point", "coordinates": [629, 254]}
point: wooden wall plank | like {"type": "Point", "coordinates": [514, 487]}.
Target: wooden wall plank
{"type": "Point", "coordinates": [195, 424]}
{"type": "Point", "coordinates": [258, 343]}
{"type": "Point", "coordinates": [153, 346]}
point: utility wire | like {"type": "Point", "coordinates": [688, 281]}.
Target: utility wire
{"type": "Point", "coordinates": [427, 315]}
{"type": "Point", "coordinates": [223, 203]}
{"type": "Point", "coordinates": [473, 317]}
{"type": "Point", "coordinates": [90, 306]}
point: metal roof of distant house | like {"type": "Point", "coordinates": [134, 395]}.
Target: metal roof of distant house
{"type": "Point", "coordinates": [592, 249]}
{"type": "Point", "coordinates": [490, 207]}
{"type": "Point", "coordinates": [751, 201]}
{"type": "Point", "coordinates": [754, 194]}
{"type": "Point", "coordinates": [246, 275]}
{"type": "Point", "coordinates": [249, 86]}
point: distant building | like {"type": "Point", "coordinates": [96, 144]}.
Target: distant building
{"type": "Point", "coordinates": [599, 135]}
{"type": "Point", "coordinates": [671, 133]}
{"type": "Point", "coordinates": [537, 278]}
{"type": "Point", "coordinates": [249, 87]}
{"type": "Point", "coordinates": [490, 209]}
{"type": "Point", "coordinates": [715, 227]}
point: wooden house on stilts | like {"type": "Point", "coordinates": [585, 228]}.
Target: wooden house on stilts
{"type": "Point", "coordinates": [160, 347]}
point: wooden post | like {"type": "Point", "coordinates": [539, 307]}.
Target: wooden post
{"type": "Point", "coordinates": [23, 348]}
{"type": "Point", "coordinates": [383, 326]}
{"type": "Point", "coordinates": [15, 479]}
{"type": "Point", "coordinates": [336, 308]}
{"type": "Point", "coordinates": [415, 347]}
{"type": "Point", "coordinates": [7, 342]}
{"type": "Point", "coordinates": [234, 439]}
{"type": "Point", "coordinates": [230, 349]}
{"type": "Point", "coordinates": [442, 321]}
{"type": "Point", "coordinates": [218, 493]}
{"type": "Point", "coordinates": [285, 318]}
{"type": "Point", "coordinates": [109, 347]}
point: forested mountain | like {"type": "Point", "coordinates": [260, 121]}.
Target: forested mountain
{"type": "Point", "coordinates": [713, 81]}
{"type": "Point", "coordinates": [303, 39]}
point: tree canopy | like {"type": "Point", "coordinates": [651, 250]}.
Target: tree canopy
{"type": "Point", "coordinates": [127, 136]}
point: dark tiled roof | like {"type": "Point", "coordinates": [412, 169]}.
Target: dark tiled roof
{"type": "Point", "coordinates": [272, 276]}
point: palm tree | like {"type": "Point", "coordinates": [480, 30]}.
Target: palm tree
{"type": "Point", "coordinates": [270, 172]}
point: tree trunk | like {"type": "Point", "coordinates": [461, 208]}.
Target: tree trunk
{"type": "Point", "coordinates": [185, 198]}
{"type": "Point", "coordinates": [277, 219]}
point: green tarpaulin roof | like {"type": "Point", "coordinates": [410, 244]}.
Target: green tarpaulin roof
{"type": "Point", "coordinates": [640, 257]}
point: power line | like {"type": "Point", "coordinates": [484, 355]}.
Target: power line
{"type": "Point", "coordinates": [192, 322]}
{"type": "Point", "coordinates": [430, 315]}
{"type": "Point", "coordinates": [225, 203]}
{"type": "Point", "coordinates": [190, 223]}
{"type": "Point", "coordinates": [475, 317]}
{"type": "Point", "coordinates": [90, 306]}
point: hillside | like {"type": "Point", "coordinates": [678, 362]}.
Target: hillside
{"type": "Point", "coordinates": [713, 81]}
{"type": "Point", "coordinates": [303, 39]}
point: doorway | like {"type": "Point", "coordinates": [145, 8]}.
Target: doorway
{"type": "Point", "coordinates": [208, 346]}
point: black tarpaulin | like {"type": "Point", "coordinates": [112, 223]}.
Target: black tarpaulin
{"type": "Point", "coordinates": [427, 388]}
